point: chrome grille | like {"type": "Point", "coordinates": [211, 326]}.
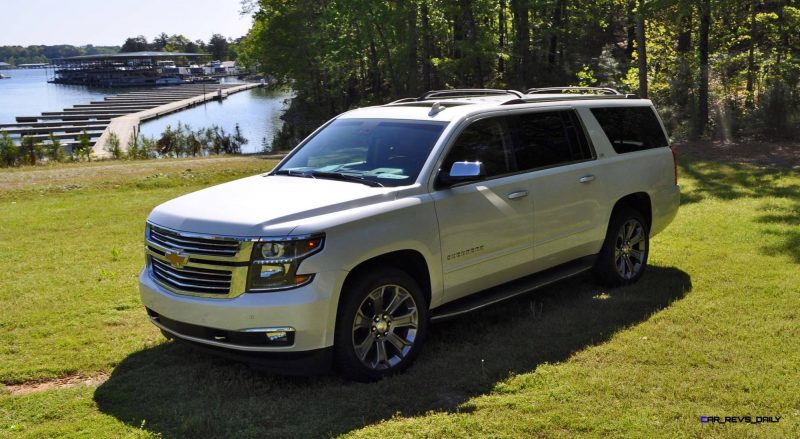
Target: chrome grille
{"type": "Point", "coordinates": [194, 244]}
{"type": "Point", "coordinates": [192, 279]}
{"type": "Point", "coordinates": [198, 265]}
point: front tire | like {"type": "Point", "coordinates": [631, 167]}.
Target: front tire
{"type": "Point", "coordinates": [623, 258]}
{"type": "Point", "coordinates": [382, 323]}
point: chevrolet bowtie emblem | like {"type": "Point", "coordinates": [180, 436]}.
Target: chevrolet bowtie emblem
{"type": "Point", "coordinates": [176, 259]}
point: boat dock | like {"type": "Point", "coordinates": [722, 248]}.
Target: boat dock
{"type": "Point", "coordinates": [120, 114]}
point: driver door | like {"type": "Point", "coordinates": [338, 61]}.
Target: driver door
{"type": "Point", "coordinates": [485, 226]}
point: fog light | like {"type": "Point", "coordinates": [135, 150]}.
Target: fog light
{"type": "Point", "coordinates": [278, 336]}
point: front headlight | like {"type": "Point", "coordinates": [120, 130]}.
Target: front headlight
{"type": "Point", "coordinates": [273, 265]}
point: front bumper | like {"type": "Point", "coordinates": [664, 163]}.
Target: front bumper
{"type": "Point", "coordinates": [310, 311]}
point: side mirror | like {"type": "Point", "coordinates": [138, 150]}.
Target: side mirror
{"type": "Point", "coordinates": [462, 172]}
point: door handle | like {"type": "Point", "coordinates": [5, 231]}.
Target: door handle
{"type": "Point", "coordinates": [517, 194]}
{"type": "Point", "coordinates": [586, 178]}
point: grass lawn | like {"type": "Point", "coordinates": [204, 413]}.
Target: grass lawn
{"type": "Point", "coordinates": [712, 329]}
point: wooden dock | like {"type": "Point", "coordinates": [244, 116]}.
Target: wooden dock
{"type": "Point", "coordinates": [120, 114]}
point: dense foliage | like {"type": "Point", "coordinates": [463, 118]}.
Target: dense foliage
{"type": "Point", "coordinates": [16, 55]}
{"type": "Point", "coordinates": [726, 68]}
{"type": "Point", "coordinates": [218, 46]}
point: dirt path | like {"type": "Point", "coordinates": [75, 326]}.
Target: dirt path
{"type": "Point", "coordinates": [778, 155]}
{"type": "Point", "coordinates": [56, 383]}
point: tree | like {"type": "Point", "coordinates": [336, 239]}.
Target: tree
{"type": "Point", "coordinates": [705, 26]}
{"type": "Point", "coordinates": [641, 49]}
{"type": "Point", "coordinates": [160, 42]}
{"type": "Point", "coordinates": [135, 44]}
{"type": "Point", "coordinates": [218, 45]}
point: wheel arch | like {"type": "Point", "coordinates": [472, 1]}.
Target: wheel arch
{"type": "Point", "coordinates": [410, 261]}
{"type": "Point", "coordinates": [639, 201]}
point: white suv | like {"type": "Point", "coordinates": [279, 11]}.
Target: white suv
{"type": "Point", "coordinates": [389, 217]}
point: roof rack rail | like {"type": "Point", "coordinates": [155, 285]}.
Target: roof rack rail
{"type": "Point", "coordinates": [466, 93]}
{"type": "Point", "coordinates": [543, 90]}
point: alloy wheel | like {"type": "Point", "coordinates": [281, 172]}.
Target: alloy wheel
{"type": "Point", "coordinates": [385, 327]}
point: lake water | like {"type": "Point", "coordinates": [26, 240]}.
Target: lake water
{"type": "Point", "coordinates": [257, 111]}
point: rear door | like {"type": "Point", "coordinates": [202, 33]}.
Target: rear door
{"type": "Point", "coordinates": [566, 186]}
{"type": "Point", "coordinates": [485, 226]}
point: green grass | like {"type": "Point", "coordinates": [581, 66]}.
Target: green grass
{"type": "Point", "coordinates": [712, 329]}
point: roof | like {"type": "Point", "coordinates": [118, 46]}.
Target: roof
{"type": "Point", "coordinates": [4, 64]}
{"type": "Point", "coordinates": [455, 107]}
{"type": "Point", "coordinates": [129, 55]}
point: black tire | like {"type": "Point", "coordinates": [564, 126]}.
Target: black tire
{"type": "Point", "coordinates": [623, 258]}
{"type": "Point", "coordinates": [357, 354]}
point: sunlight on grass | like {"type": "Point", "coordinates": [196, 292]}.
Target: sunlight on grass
{"type": "Point", "coordinates": [710, 330]}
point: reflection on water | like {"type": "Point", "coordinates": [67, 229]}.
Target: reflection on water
{"type": "Point", "coordinates": [257, 111]}
{"type": "Point", "coordinates": [27, 93]}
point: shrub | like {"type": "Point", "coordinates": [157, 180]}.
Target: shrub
{"type": "Point", "coordinates": [9, 152]}
{"type": "Point", "coordinates": [54, 150]}
{"type": "Point", "coordinates": [112, 146]}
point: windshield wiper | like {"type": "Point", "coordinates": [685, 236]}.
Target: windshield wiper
{"type": "Point", "coordinates": [292, 172]}
{"type": "Point", "coordinates": [344, 177]}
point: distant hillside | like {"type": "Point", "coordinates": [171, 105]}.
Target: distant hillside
{"type": "Point", "coordinates": [16, 55]}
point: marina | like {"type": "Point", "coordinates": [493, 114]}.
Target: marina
{"type": "Point", "coordinates": [137, 69]}
{"type": "Point", "coordinates": [118, 114]}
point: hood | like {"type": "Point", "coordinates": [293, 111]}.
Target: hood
{"type": "Point", "coordinates": [263, 205]}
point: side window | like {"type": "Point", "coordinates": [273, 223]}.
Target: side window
{"type": "Point", "coordinates": [545, 139]}
{"type": "Point", "coordinates": [631, 129]}
{"type": "Point", "coordinates": [484, 141]}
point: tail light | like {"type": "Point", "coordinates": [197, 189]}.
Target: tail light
{"type": "Point", "coordinates": [674, 162]}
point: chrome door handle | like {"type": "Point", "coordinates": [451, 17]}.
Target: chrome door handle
{"type": "Point", "coordinates": [517, 194]}
{"type": "Point", "coordinates": [586, 178]}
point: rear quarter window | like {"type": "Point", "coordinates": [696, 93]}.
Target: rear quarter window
{"type": "Point", "coordinates": [631, 129]}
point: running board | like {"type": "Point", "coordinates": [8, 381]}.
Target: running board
{"type": "Point", "coordinates": [511, 289]}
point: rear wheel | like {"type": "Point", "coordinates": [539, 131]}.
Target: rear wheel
{"type": "Point", "coordinates": [383, 320]}
{"type": "Point", "coordinates": [623, 258]}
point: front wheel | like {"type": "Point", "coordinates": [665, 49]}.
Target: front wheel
{"type": "Point", "coordinates": [623, 258]}
{"type": "Point", "coordinates": [382, 323]}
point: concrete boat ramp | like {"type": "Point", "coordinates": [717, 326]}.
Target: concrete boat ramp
{"type": "Point", "coordinates": [120, 114]}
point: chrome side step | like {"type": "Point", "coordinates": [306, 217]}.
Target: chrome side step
{"type": "Point", "coordinates": [511, 289]}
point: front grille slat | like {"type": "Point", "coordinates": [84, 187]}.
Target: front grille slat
{"type": "Point", "coordinates": [173, 274]}
{"type": "Point", "coordinates": [193, 244]}
{"type": "Point", "coordinates": [194, 287]}
{"type": "Point", "coordinates": [198, 273]}
{"type": "Point", "coordinates": [196, 250]}
{"type": "Point", "coordinates": [195, 241]}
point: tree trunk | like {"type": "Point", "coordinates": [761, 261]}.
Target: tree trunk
{"type": "Point", "coordinates": [411, 81]}
{"type": "Point", "coordinates": [522, 37]}
{"type": "Point", "coordinates": [501, 41]}
{"type": "Point", "coordinates": [558, 6]}
{"type": "Point", "coordinates": [426, 47]}
{"type": "Point", "coordinates": [684, 76]}
{"type": "Point", "coordinates": [641, 49]}
{"type": "Point", "coordinates": [631, 31]}
{"type": "Point", "coordinates": [751, 69]}
{"type": "Point", "coordinates": [705, 25]}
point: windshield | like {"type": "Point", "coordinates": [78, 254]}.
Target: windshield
{"type": "Point", "coordinates": [378, 152]}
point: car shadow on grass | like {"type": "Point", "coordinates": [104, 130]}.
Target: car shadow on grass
{"type": "Point", "coordinates": [175, 391]}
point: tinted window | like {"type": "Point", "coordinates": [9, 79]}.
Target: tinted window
{"type": "Point", "coordinates": [484, 141]}
{"type": "Point", "coordinates": [631, 129]}
{"type": "Point", "coordinates": [547, 139]}
{"type": "Point", "coordinates": [390, 152]}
